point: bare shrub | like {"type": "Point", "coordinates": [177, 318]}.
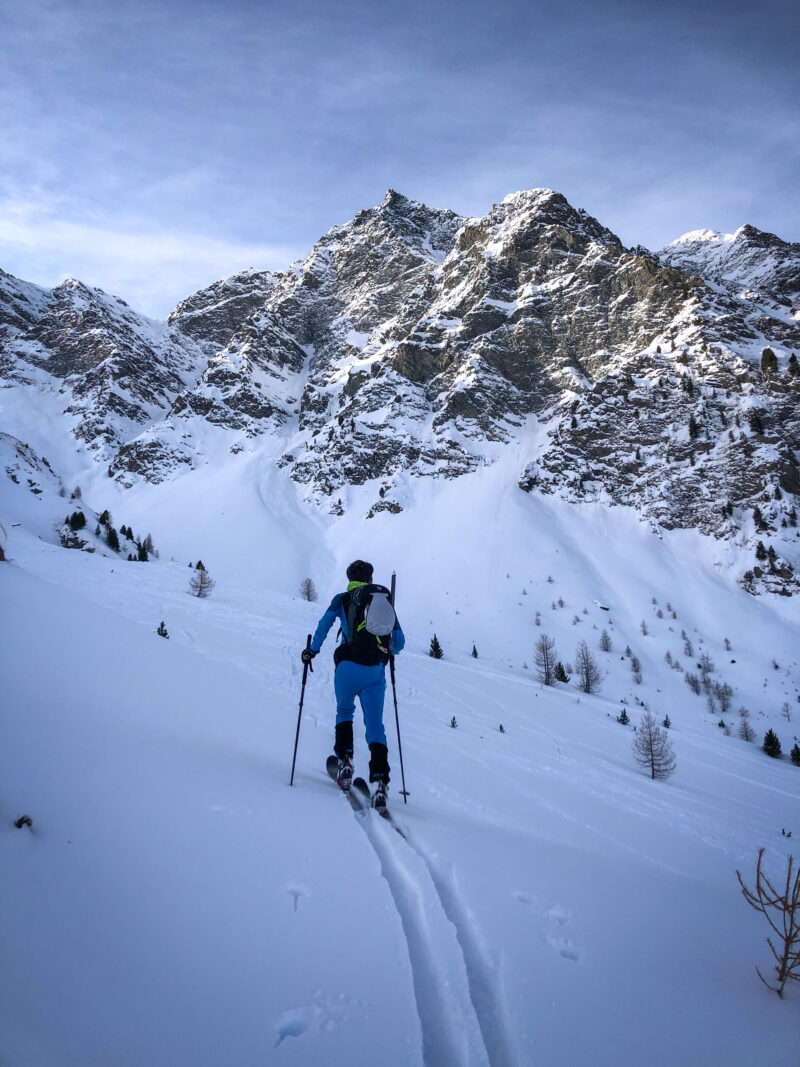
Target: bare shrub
{"type": "Point", "coordinates": [782, 912]}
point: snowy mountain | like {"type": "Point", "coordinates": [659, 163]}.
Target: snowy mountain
{"type": "Point", "coordinates": [545, 434]}
{"type": "Point", "coordinates": [413, 343]}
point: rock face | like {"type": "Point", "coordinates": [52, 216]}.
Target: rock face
{"type": "Point", "coordinates": [414, 342]}
{"type": "Point", "coordinates": [117, 371]}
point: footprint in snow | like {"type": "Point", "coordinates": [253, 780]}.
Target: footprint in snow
{"type": "Point", "coordinates": [325, 1014]}
{"type": "Point", "coordinates": [563, 947]}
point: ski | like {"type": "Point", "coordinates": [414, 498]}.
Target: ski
{"type": "Point", "coordinates": [359, 795]}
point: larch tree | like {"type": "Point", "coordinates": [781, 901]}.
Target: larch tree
{"type": "Point", "coordinates": [586, 669]}
{"type": "Point", "coordinates": [544, 654]}
{"type": "Point", "coordinates": [201, 583]}
{"type": "Point", "coordinates": [652, 748]}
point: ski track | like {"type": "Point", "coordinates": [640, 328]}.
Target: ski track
{"type": "Point", "coordinates": [483, 976]}
{"type": "Point", "coordinates": [443, 1041]}
{"type": "Point", "coordinates": [484, 982]}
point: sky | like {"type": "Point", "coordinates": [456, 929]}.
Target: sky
{"type": "Point", "coordinates": [151, 148]}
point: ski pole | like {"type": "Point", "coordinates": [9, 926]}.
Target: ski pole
{"type": "Point", "coordinates": [300, 712]}
{"type": "Point", "coordinates": [404, 791]}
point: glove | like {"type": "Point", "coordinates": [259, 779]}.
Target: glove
{"type": "Point", "coordinates": [307, 655]}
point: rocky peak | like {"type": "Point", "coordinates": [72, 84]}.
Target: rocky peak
{"type": "Point", "coordinates": [212, 315]}
{"type": "Point", "coordinates": [413, 342]}
{"type": "Point", "coordinates": [749, 261]}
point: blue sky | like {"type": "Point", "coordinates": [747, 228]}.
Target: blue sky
{"type": "Point", "coordinates": [150, 148]}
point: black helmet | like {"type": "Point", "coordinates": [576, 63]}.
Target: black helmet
{"type": "Point", "coordinates": [359, 571]}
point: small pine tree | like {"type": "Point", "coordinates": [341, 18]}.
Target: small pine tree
{"type": "Point", "coordinates": [605, 642]}
{"type": "Point", "coordinates": [559, 673]}
{"type": "Point", "coordinates": [746, 731]}
{"type": "Point", "coordinates": [435, 649]}
{"type": "Point", "coordinates": [162, 630]}
{"type": "Point", "coordinates": [769, 362]}
{"type": "Point", "coordinates": [141, 553]}
{"type": "Point", "coordinates": [453, 722]}
{"type": "Point", "coordinates": [794, 755]}
{"type": "Point", "coordinates": [308, 590]}
{"type": "Point", "coordinates": [201, 583]}
{"type": "Point", "coordinates": [112, 539]}
{"type": "Point", "coordinates": [587, 670]}
{"type": "Point", "coordinates": [623, 717]}
{"type": "Point", "coordinates": [693, 682]}
{"type": "Point", "coordinates": [667, 722]}
{"type": "Point", "coordinates": [652, 749]}
{"type": "Point", "coordinates": [502, 730]}
{"type": "Point", "coordinates": [771, 744]}
{"type": "Point", "coordinates": [544, 654]}
{"type": "Point", "coordinates": [474, 652]}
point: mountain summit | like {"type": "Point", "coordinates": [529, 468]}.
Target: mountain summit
{"type": "Point", "coordinates": [414, 343]}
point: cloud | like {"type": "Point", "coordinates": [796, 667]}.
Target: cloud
{"type": "Point", "coordinates": [152, 270]}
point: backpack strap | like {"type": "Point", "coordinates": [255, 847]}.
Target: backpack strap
{"type": "Point", "coordinates": [352, 609]}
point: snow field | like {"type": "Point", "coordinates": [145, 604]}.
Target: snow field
{"type": "Point", "coordinates": [176, 903]}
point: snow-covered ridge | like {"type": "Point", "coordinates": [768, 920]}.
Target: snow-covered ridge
{"type": "Point", "coordinates": [414, 343]}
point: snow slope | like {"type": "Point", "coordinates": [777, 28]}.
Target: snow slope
{"type": "Point", "coordinates": [176, 903]}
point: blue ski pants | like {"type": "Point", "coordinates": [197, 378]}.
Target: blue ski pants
{"type": "Point", "coordinates": [351, 680]}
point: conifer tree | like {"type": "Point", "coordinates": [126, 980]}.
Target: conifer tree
{"type": "Point", "coordinates": [667, 722]}
{"type": "Point", "coordinates": [623, 717]}
{"type": "Point", "coordinates": [586, 669]}
{"type": "Point", "coordinates": [201, 583]}
{"type": "Point", "coordinates": [794, 368]}
{"type": "Point", "coordinates": [559, 673]}
{"type": "Point", "coordinates": [435, 649]}
{"type": "Point", "coordinates": [453, 722]}
{"type": "Point", "coordinates": [544, 654]}
{"type": "Point", "coordinates": [652, 748]}
{"type": "Point", "coordinates": [162, 630]}
{"type": "Point", "coordinates": [112, 539]}
{"type": "Point", "coordinates": [769, 362]}
{"type": "Point", "coordinates": [605, 642]}
{"type": "Point", "coordinates": [771, 744]}
{"type": "Point", "coordinates": [308, 590]}
{"type": "Point", "coordinates": [794, 755]}
{"type": "Point", "coordinates": [474, 652]}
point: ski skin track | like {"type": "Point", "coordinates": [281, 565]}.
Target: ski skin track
{"type": "Point", "coordinates": [484, 981]}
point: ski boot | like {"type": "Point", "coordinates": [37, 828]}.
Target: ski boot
{"type": "Point", "coordinates": [379, 798]}
{"type": "Point", "coordinates": [344, 775]}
